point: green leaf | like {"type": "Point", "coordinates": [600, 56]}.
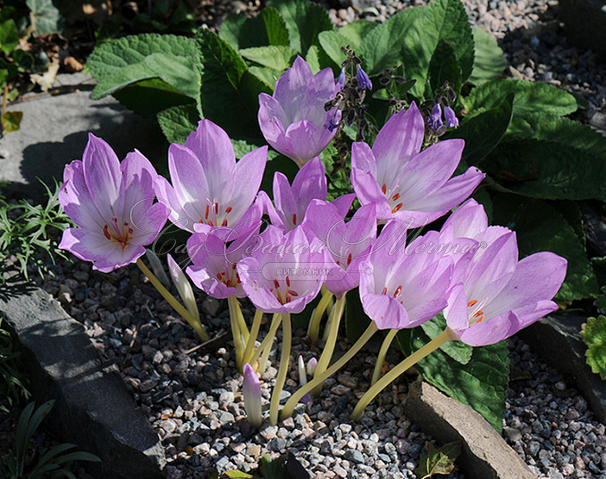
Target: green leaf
{"type": "Point", "coordinates": [45, 16]}
{"type": "Point", "coordinates": [149, 97]}
{"type": "Point", "coordinates": [276, 57]}
{"type": "Point", "coordinates": [11, 120]}
{"type": "Point", "coordinates": [443, 68]}
{"type": "Point", "coordinates": [267, 28]}
{"type": "Point", "coordinates": [230, 92]}
{"type": "Point", "coordinates": [272, 469]}
{"type": "Point", "coordinates": [594, 335]}
{"type": "Point", "coordinates": [483, 132]}
{"type": "Point", "coordinates": [381, 47]}
{"type": "Point", "coordinates": [313, 59]}
{"type": "Point", "coordinates": [332, 42]}
{"type": "Point", "coordinates": [118, 63]}
{"type": "Point", "coordinates": [356, 31]}
{"type": "Point", "coordinates": [9, 36]}
{"type": "Point", "coordinates": [3, 78]}
{"type": "Point", "coordinates": [540, 227]}
{"type": "Point", "coordinates": [440, 20]}
{"type": "Point", "coordinates": [530, 97]}
{"type": "Point", "coordinates": [481, 383]}
{"type": "Point", "coordinates": [234, 474]}
{"type": "Point", "coordinates": [304, 20]}
{"type": "Point", "coordinates": [543, 169]}
{"type": "Point", "coordinates": [438, 461]}
{"type": "Point", "coordinates": [489, 62]}
{"type": "Point", "coordinates": [457, 350]}
{"type": "Point", "coordinates": [178, 122]}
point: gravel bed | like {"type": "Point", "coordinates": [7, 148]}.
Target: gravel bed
{"type": "Point", "coordinates": [193, 398]}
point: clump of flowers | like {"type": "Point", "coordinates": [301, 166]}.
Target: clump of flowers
{"type": "Point", "coordinates": [467, 270]}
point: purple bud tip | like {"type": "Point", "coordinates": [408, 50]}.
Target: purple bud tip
{"type": "Point", "coordinates": [251, 390]}
{"type": "Point", "coordinates": [435, 119]}
{"type": "Point", "coordinates": [363, 80]}
{"type": "Point", "coordinates": [451, 119]}
{"type": "Point", "coordinates": [311, 366]}
{"type": "Point", "coordinates": [341, 79]}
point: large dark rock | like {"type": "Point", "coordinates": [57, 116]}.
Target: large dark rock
{"type": "Point", "coordinates": [485, 453]}
{"type": "Point", "coordinates": [585, 23]}
{"type": "Point", "coordinates": [557, 339]}
{"type": "Point", "coordinates": [93, 409]}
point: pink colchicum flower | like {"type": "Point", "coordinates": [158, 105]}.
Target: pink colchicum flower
{"type": "Point", "coordinates": [293, 120]}
{"type": "Point", "coordinates": [405, 183]}
{"type": "Point", "coordinates": [112, 204]}
{"type": "Point", "coordinates": [216, 254]}
{"type": "Point", "coordinates": [291, 202]}
{"type": "Point", "coordinates": [346, 241]}
{"type": "Point", "coordinates": [499, 295]}
{"type": "Point", "coordinates": [285, 271]}
{"type": "Point", "coordinates": [251, 391]}
{"type": "Point", "coordinates": [404, 287]}
{"type": "Point", "coordinates": [210, 189]}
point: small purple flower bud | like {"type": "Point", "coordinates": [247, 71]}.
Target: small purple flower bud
{"type": "Point", "coordinates": [451, 119]}
{"type": "Point", "coordinates": [435, 119]}
{"type": "Point", "coordinates": [251, 390]}
{"type": "Point", "coordinates": [341, 79]}
{"type": "Point", "coordinates": [311, 366]}
{"type": "Point", "coordinates": [331, 124]}
{"type": "Point", "coordinates": [363, 80]}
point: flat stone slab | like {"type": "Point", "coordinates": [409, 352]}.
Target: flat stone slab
{"type": "Point", "coordinates": [557, 339]}
{"type": "Point", "coordinates": [93, 409]}
{"type": "Point", "coordinates": [54, 131]}
{"type": "Point", "coordinates": [485, 453]}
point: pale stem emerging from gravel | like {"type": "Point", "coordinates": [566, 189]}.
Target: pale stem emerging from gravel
{"type": "Point", "coordinates": [296, 397]}
{"type": "Point", "coordinates": [382, 353]}
{"type": "Point", "coordinates": [283, 369]}
{"type": "Point", "coordinates": [194, 323]}
{"type": "Point", "coordinates": [313, 330]}
{"type": "Point", "coordinates": [393, 374]}
{"type": "Point", "coordinates": [236, 330]}
{"type": "Point", "coordinates": [329, 348]}
{"type": "Point", "coordinates": [265, 347]}
{"type": "Point", "coordinates": [254, 332]}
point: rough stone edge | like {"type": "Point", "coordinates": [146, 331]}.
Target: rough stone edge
{"type": "Point", "coordinates": [485, 453]}
{"type": "Point", "coordinates": [557, 339]}
{"type": "Point", "coordinates": [93, 409]}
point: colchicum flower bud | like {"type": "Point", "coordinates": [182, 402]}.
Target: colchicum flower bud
{"type": "Point", "coordinates": [251, 390]}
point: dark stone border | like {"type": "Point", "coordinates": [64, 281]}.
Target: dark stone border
{"type": "Point", "coordinates": [93, 409]}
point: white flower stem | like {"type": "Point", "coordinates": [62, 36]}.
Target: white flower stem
{"type": "Point", "coordinates": [382, 353]}
{"type": "Point", "coordinates": [282, 370]}
{"type": "Point", "coordinates": [296, 397]}
{"type": "Point", "coordinates": [331, 341]}
{"type": "Point", "coordinates": [193, 322]}
{"type": "Point", "coordinates": [241, 322]}
{"type": "Point", "coordinates": [313, 330]}
{"type": "Point", "coordinates": [254, 332]}
{"type": "Point", "coordinates": [266, 344]}
{"type": "Point", "coordinates": [406, 364]}
{"type": "Point", "coordinates": [234, 306]}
